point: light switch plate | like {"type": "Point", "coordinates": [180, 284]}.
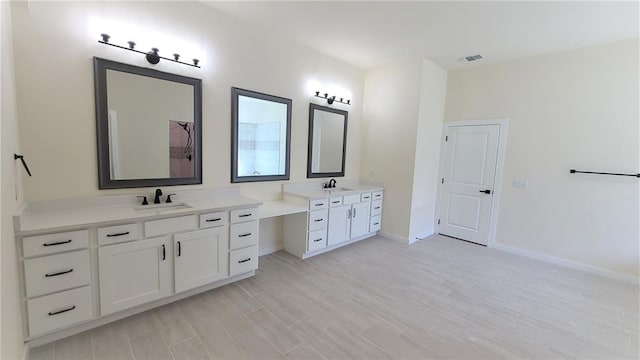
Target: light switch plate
{"type": "Point", "coordinates": [520, 183]}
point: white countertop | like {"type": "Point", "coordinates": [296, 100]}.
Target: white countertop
{"type": "Point", "coordinates": [319, 193]}
{"type": "Point", "coordinates": [72, 214]}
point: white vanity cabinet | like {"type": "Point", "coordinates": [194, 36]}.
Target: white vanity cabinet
{"type": "Point", "coordinates": [200, 257]}
{"type": "Point", "coordinates": [57, 280]}
{"type": "Point", "coordinates": [82, 267]}
{"type": "Point", "coordinates": [134, 273]}
{"type": "Point", "coordinates": [340, 218]}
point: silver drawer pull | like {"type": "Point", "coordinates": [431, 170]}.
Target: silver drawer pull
{"type": "Point", "coordinates": [319, 204]}
{"type": "Point", "coordinates": [62, 311]}
{"type": "Point", "coordinates": [244, 261]}
{"type": "Point", "coordinates": [211, 220]}
{"type": "Point", "coordinates": [118, 234]}
{"type": "Point", "coordinates": [57, 243]}
{"type": "Point", "coordinates": [244, 235]}
{"type": "Point", "coordinates": [366, 197]}
{"type": "Point", "coordinates": [376, 223]}
{"type": "Point", "coordinates": [58, 273]}
{"type": "Point", "coordinates": [336, 202]}
{"type": "Point", "coordinates": [377, 207]}
{"type": "Point", "coordinates": [244, 215]}
{"type": "Point", "coordinates": [318, 220]}
{"type": "Point", "coordinates": [316, 240]}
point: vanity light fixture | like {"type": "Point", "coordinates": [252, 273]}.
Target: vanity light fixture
{"type": "Point", "coordinates": [332, 99]}
{"type": "Point", "coordinates": [153, 57]}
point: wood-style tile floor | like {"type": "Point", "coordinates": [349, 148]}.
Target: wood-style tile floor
{"type": "Point", "coordinates": [380, 299]}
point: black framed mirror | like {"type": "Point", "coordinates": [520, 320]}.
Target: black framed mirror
{"type": "Point", "coordinates": [260, 136]}
{"type": "Point", "coordinates": [327, 141]}
{"type": "Point", "coordinates": [149, 126]}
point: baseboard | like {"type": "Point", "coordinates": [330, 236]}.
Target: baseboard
{"type": "Point", "coordinates": [270, 250]}
{"type": "Point", "coordinates": [421, 237]}
{"type": "Point", "coordinates": [395, 237]}
{"type": "Point", "coordinates": [567, 263]}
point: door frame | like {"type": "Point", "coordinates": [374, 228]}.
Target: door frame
{"type": "Point", "coordinates": [503, 123]}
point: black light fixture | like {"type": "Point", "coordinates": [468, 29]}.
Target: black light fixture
{"type": "Point", "coordinates": [332, 99]}
{"type": "Point", "coordinates": [153, 57]}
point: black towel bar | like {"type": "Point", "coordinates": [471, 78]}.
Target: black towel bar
{"type": "Point", "coordinates": [573, 171]}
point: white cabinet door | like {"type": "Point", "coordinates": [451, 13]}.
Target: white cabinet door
{"type": "Point", "coordinates": [134, 273]}
{"type": "Point", "coordinates": [360, 214]}
{"type": "Point", "coordinates": [201, 257]}
{"type": "Point", "coordinates": [339, 224]}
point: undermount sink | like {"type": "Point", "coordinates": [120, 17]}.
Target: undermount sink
{"type": "Point", "coordinates": [163, 207]}
{"type": "Point", "coordinates": [335, 190]}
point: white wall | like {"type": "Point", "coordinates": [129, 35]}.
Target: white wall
{"type": "Point", "coordinates": [54, 46]}
{"type": "Point", "coordinates": [11, 344]}
{"type": "Point", "coordinates": [392, 101]}
{"type": "Point", "coordinates": [427, 157]}
{"type": "Point", "coordinates": [575, 109]}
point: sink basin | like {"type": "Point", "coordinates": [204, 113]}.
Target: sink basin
{"type": "Point", "coordinates": [336, 190]}
{"type": "Point", "coordinates": [160, 208]}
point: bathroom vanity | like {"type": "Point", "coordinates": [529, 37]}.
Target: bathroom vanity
{"type": "Point", "coordinates": [335, 217]}
{"type": "Point", "coordinates": [85, 262]}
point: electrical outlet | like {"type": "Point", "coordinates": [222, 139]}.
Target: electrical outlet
{"type": "Point", "coordinates": [520, 183]}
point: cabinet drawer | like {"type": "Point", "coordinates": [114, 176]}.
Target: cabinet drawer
{"type": "Point", "coordinates": [351, 199]}
{"type": "Point", "coordinates": [59, 310]}
{"type": "Point", "coordinates": [365, 196]}
{"type": "Point", "coordinates": [52, 273]}
{"type": "Point", "coordinates": [243, 260]}
{"type": "Point", "coordinates": [317, 239]}
{"type": "Point", "coordinates": [214, 219]}
{"type": "Point", "coordinates": [243, 235]}
{"type": "Point", "coordinates": [335, 201]}
{"type": "Point", "coordinates": [171, 225]}
{"type": "Point", "coordinates": [376, 207]}
{"type": "Point", "coordinates": [54, 243]}
{"type": "Point", "coordinates": [377, 195]}
{"type": "Point", "coordinates": [117, 234]}
{"type": "Point", "coordinates": [244, 215]}
{"type": "Point", "coordinates": [376, 223]}
{"type": "Point", "coordinates": [318, 204]}
{"type": "Point", "coordinates": [317, 219]}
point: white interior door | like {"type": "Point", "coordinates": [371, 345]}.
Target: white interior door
{"type": "Point", "coordinates": [469, 175]}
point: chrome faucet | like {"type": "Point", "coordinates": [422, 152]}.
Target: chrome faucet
{"type": "Point", "coordinates": [156, 200]}
{"type": "Point", "coordinates": [332, 183]}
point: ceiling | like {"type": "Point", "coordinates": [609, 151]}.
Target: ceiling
{"type": "Point", "coordinates": [371, 33]}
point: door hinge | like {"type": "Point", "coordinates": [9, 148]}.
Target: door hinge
{"type": "Point", "coordinates": [438, 221]}
{"type": "Point", "coordinates": [443, 180]}
{"type": "Point", "coordinates": [446, 138]}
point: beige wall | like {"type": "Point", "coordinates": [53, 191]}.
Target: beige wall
{"type": "Point", "coordinates": [427, 157]}
{"type": "Point", "coordinates": [11, 344]}
{"type": "Point", "coordinates": [575, 109]}
{"type": "Point", "coordinates": [392, 101]}
{"type": "Point", "coordinates": [54, 47]}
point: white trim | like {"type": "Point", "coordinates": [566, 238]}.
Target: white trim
{"type": "Point", "coordinates": [25, 352]}
{"type": "Point", "coordinates": [421, 237]}
{"type": "Point", "coordinates": [567, 263]}
{"type": "Point", "coordinates": [270, 250]}
{"type": "Point", "coordinates": [497, 185]}
{"type": "Point", "coordinates": [395, 237]}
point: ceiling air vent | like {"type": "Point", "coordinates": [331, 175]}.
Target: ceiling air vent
{"type": "Point", "coordinates": [471, 58]}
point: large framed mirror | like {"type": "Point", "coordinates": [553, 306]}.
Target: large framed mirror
{"type": "Point", "coordinates": [327, 141]}
{"type": "Point", "coordinates": [260, 136]}
{"type": "Point", "coordinates": [149, 126]}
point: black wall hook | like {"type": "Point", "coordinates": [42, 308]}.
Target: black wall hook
{"type": "Point", "coordinates": [21, 157]}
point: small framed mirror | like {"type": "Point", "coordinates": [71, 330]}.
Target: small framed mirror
{"type": "Point", "coordinates": [149, 126]}
{"type": "Point", "coordinates": [327, 141]}
{"type": "Point", "coordinates": [260, 136]}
